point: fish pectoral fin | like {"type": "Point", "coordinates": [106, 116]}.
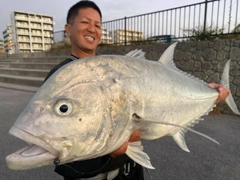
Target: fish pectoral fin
{"type": "Point", "coordinates": [180, 140]}
{"type": "Point", "coordinates": [135, 152]}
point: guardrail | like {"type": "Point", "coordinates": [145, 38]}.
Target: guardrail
{"type": "Point", "coordinates": [207, 18]}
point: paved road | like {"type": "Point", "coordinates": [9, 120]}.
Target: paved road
{"type": "Point", "coordinates": [206, 161]}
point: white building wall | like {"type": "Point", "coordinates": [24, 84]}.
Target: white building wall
{"type": "Point", "coordinates": [31, 32]}
{"type": "Point", "coordinates": [106, 38]}
{"type": "Point", "coordinates": [118, 36]}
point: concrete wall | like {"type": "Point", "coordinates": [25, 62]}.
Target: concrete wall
{"type": "Point", "coordinates": [203, 59]}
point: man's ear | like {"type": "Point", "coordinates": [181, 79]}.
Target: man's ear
{"type": "Point", "coordinates": [68, 29]}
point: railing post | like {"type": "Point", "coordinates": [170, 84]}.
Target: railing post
{"type": "Point", "coordinates": [125, 30]}
{"type": "Point", "coordinates": [205, 18]}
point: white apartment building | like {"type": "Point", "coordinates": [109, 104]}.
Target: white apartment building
{"type": "Point", "coordinates": [118, 36]}
{"type": "Point", "coordinates": [106, 38]}
{"type": "Point", "coordinates": [28, 32]}
{"type": "Point", "coordinates": [7, 38]}
{"type": "Point", "coordinates": [2, 50]}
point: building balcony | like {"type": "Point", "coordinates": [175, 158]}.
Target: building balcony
{"type": "Point", "coordinates": [6, 33]}
{"type": "Point", "coordinates": [37, 48]}
{"type": "Point", "coordinates": [37, 41]}
{"type": "Point", "coordinates": [35, 20]}
{"type": "Point", "coordinates": [21, 18]}
{"type": "Point", "coordinates": [23, 40]}
{"type": "Point", "coordinates": [25, 47]}
{"type": "Point", "coordinates": [36, 27]}
{"type": "Point", "coordinates": [48, 28]}
{"type": "Point", "coordinates": [48, 35]}
{"type": "Point", "coordinates": [9, 38]}
{"type": "Point", "coordinates": [22, 26]}
{"type": "Point", "coordinates": [36, 34]}
{"type": "Point", "coordinates": [23, 33]}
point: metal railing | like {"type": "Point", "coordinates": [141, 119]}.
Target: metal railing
{"type": "Point", "coordinates": [207, 18]}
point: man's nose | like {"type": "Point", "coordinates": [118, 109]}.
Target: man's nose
{"type": "Point", "coordinates": [91, 28]}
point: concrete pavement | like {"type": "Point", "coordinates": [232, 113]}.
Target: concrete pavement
{"type": "Point", "coordinates": [206, 161]}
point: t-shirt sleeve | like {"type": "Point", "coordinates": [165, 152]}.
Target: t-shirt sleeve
{"type": "Point", "coordinates": [56, 68]}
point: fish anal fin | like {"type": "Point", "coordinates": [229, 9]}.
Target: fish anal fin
{"type": "Point", "coordinates": [135, 152]}
{"type": "Point", "coordinates": [180, 140]}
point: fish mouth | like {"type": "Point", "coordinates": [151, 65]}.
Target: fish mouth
{"type": "Point", "coordinates": [38, 153]}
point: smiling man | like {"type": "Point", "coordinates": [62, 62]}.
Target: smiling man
{"type": "Point", "coordinates": [84, 29]}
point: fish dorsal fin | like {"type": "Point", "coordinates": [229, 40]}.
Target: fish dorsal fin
{"type": "Point", "coordinates": [167, 56]}
{"type": "Point", "coordinates": [135, 152]}
{"type": "Point", "coordinates": [137, 54]}
{"type": "Point", "coordinates": [167, 60]}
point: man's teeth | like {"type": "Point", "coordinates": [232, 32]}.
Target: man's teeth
{"type": "Point", "coordinates": [89, 38]}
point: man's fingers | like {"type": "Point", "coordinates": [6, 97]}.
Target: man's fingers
{"type": "Point", "coordinates": [214, 86]}
{"type": "Point", "coordinates": [223, 94]}
{"type": "Point", "coordinates": [135, 136]}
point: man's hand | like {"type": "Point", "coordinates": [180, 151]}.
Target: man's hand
{"type": "Point", "coordinates": [135, 136]}
{"type": "Point", "coordinates": [223, 92]}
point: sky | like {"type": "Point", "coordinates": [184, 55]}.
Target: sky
{"type": "Point", "coordinates": [111, 9]}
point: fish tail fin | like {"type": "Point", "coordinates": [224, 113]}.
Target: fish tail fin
{"type": "Point", "coordinates": [225, 82]}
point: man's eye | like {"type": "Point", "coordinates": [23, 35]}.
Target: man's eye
{"type": "Point", "coordinates": [98, 26]}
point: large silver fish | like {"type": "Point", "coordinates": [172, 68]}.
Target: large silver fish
{"type": "Point", "coordinates": [90, 107]}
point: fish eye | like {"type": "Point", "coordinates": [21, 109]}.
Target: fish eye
{"type": "Point", "coordinates": [63, 107]}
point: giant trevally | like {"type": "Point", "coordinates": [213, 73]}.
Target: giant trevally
{"type": "Point", "coordinates": [90, 107]}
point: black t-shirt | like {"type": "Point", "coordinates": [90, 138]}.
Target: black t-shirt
{"type": "Point", "coordinates": [92, 167]}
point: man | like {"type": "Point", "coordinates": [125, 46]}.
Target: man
{"type": "Point", "coordinates": [84, 29]}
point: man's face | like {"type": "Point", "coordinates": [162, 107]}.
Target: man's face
{"type": "Point", "coordinates": [85, 30]}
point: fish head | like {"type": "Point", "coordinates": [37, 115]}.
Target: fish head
{"type": "Point", "coordinates": [67, 119]}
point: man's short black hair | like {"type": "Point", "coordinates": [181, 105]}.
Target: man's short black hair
{"type": "Point", "coordinates": [73, 11]}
